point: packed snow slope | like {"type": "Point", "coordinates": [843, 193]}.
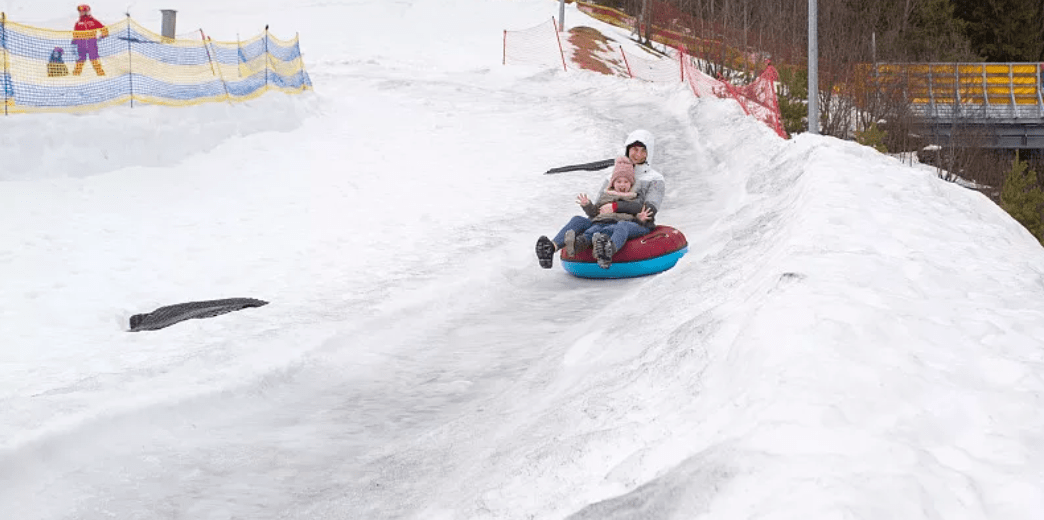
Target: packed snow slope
{"type": "Point", "coordinates": [848, 337]}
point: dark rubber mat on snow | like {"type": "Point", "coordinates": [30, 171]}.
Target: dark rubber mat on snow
{"type": "Point", "coordinates": [171, 314]}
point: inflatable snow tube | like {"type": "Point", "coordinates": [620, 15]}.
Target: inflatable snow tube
{"type": "Point", "coordinates": [651, 253]}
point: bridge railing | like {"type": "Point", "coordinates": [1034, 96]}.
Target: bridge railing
{"type": "Point", "coordinates": [966, 90]}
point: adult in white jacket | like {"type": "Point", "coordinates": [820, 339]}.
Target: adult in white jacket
{"type": "Point", "coordinates": [639, 147]}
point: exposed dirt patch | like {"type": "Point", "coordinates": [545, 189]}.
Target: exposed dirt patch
{"type": "Point", "coordinates": [594, 52]}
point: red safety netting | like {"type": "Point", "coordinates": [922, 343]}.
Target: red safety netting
{"type": "Point", "coordinates": [543, 46]}
{"type": "Point", "coordinates": [652, 69]}
{"type": "Point", "coordinates": [702, 84]}
{"type": "Point", "coordinates": [537, 46]}
{"type": "Point", "coordinates": [757, 99]}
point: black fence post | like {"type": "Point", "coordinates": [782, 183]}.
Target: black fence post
{"type": "Point", "coordinates": [266, 57]}
{"type": "Point", "coordinates": [130, 62]}
{"type": "Point", "coordinates": [3, 49]}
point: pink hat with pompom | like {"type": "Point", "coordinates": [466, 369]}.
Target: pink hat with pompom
{"type": "Point", "coordinates": [623, 167]}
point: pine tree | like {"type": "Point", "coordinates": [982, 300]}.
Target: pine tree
{"type": "Point", "coordinates": [1003, 30]}
{"type": "Point", "coordinates": [936, 35]}
{"type": "Point", "coordinates": [1023, 199]}
{"type": "Point", "coordinates": [873, 137]}
{"type": "Point", "coordinates": [792, 93]}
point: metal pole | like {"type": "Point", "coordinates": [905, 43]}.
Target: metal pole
{"type": "Point", "coordinates": [644, 24]}
{"type": "Point", "coordinates": [561, 15]}
{"type": "Point", "coordinates": [877, 76]}
{"type": "Point", "coordinates": [1040, 87]}
{"type": "Point", "coordinates": [169, 22]}
{"type": "Point", "coordinates": [873, 47]}
{"type": "Point", "coordinates": [813, 69]}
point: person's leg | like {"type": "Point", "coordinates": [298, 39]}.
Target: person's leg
{"type": "Point", "coordinates": [582, 242]}
{"type": "Point", "coordinates": [574, 243]}
{"type": "Point", "coordinates": [81, 56]}
{"type": "Point", "coordinates": [570, 242]}
{"type": "Point", "coordinates": [602, 245]}
{"type": "Point", "coordinates": [92, 52]}
{"type": "Point", "coordinates": [579, 241]}
{"type": "Point", "coordinates": [91, 48]}
{"type": "Point", "coordinates": [546, 247]}
{"type": "Point", "coordinates": [607, 244]}
{"type": "Point", "coordinates": [624, 231]}
{"type": "Point", "coordinates": [545, 251]}
{"type": "Point", "coordinates": [595, 228]}
{"type": "Point", "coordinates": [576, 224]}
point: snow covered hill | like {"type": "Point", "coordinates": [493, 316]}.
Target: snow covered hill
{"type": "Point", "coordinates": [848, 337]}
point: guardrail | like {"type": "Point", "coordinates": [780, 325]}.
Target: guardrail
{"type": "Point", "coordinates": [967, 90]}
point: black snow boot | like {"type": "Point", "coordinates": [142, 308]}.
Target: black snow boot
{"type": "Point", "coordinates": [576, 243]}
{"type": "Point", "coordinates": [570, 242]}
{"type": "Point", "coordinates": [603, 250]}
{"type": "Point", "coordinates": [545, 251]}
{"type": "Point", "coordinates": [582, 243]}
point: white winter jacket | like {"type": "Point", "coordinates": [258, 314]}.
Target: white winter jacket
{"type": "Point", "coordinates": [650, 184]}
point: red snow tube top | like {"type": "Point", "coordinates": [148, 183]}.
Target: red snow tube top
{"type": "Point", "coordinates": [660, 241]}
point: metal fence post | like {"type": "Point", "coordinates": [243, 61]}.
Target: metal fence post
{"type": "Point", "coordinates": [813, 69]}
{"type": "Point", "coordinates": [1040, 87]}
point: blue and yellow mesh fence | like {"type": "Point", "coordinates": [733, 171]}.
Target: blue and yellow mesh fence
{"type": "Point", "coordinates": [42, 71]}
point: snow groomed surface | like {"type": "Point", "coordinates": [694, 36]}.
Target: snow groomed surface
{"type": "Point", "coordinates": [652, 253]}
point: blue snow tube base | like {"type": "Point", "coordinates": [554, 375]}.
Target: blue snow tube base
{"type": "Point", "coordinates": [625, 269]}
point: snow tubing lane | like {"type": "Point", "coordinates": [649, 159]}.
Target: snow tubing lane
{"type": "Point", "coordinates": [651, 253]}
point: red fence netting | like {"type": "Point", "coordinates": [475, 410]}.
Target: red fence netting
{"type": "Point", "coordinates": [757, 99]}
{"type": "Point", "coordinates": [542, 46]}
{"type": "Point", "coordinates": [537, 46]}
{"type": "Point", "coordinates": [658, 70]}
